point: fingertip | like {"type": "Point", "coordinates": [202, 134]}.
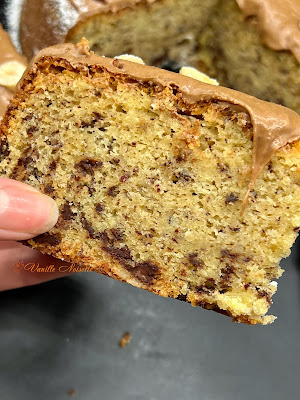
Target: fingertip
{"type": "Point", "coordinates": [24, 211]}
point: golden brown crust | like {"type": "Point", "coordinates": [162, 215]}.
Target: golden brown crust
{"type": "Point", "coordinates": [107, 268]}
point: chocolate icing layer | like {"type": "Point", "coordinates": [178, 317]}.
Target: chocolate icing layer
{"type": "Point", "coordinates": [8, 52]}
{"type": "Point", "coordinates": [274, 126]}
{"type": "Point", "coordinates": [47, 22]}
{"type": "Point", "coordinates": [278, 21]}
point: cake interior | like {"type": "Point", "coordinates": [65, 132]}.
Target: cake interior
{"type": "Point", "coordinates": [210, 35]}
{"type": "Point", "coordinates": [150, 187]}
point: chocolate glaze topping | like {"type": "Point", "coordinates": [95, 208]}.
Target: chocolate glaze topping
{"type": "Point", "coordinates": [8, 52]}
{"type": "Point", "coordinates": [279, 22]}
{"type": "Point", "coordinates": [274, 126]}
{"type": "Point", "coordinates": [47, 22]}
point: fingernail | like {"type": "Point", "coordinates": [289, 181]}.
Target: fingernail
{"type": "Point", "coordinates": [24, 209]}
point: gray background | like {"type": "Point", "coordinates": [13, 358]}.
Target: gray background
{"type": "Point", "coordinates": [64, 335]}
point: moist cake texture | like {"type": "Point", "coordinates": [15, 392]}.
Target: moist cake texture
{"type": "Point", "coordinates": [249, 45]}
{"type": "Point", "coordinates": [150, 170]}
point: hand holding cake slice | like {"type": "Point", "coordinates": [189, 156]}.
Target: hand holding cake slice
{"type": "Point", "coordinates": [182, 188]}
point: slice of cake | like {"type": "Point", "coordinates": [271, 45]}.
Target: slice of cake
{"type": "Point", "coordinates": [182, 188]}
{"type": "Point", "coordinates": [249, 45]}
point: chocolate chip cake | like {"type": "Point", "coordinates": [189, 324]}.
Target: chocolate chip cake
{"type": "Point", "coordinates": [186, 189]}
{"type": "Point", "coordinates": [249, 45]}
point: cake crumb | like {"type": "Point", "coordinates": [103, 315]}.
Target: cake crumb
{"type": "Point", "coordinates": [126, 339]}
{"type": "Point", "coordinates": [71, 392]}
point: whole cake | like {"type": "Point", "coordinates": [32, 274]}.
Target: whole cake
{"type": "Point", "coordinates": [12, 66]}
{"type": "Point", "coordinates": [182, 188]}
{"type": "Point", "coordinates": [249, 45]}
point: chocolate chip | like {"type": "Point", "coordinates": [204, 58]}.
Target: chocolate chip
{"type": "Point", "coordinates": [181, 157]}
{"type": "Point", "coordinates": [91, 190]}
{"type": "Point", "coordinates": [103, 236]}
{"type": "Point", "coordinates": [231, 198]}
{"type": "Point", "coordinates": [31, 130]}
{"type": "Point", "coordinates": [195, 261]}
{"type": "Point", "coordinates": [67, 213]}
{"type": "Point", "coordinates": [97, 115]}
{"type": "Point", "coordinates": [207, 287]}
{"type": "Point", "coordinates": [85, 124]}
{"type": "Point", "coordinates": [4, 149]}
{"type": "Point", "coordinates": [117, 234]}
{"type": "Point", "coordinates": [52, 165]}
{"type": "Point", "coordinates": [122, 254]}
{"type": "Point", "coordinates": [213, 307]}
{"type": "Point", "coordinates": [87, 227]}
{"type": "Point", "coordinates": [146, 272]}
{"type": "Point", "coordinates": [25, 161]}
{"type": "Point", "coordinates": [113, 191]}
{"type": "Point", "coordinates": [262, 293]}
{"type": "Point", "coordinates": [47, 238]}
{"type": "Point", "coordinates": [99, 208]}
{"type": "Point", "coordinates": [182, 297]}
{"type": "Point", "coordinates": [48, 189]}
{"type": "Point", "coordinates": [181, 177]}
{"type": "Point", "coordinates": [226, 273]}
{"type": "Point", "coordinates": [124, 178]}
{"type": "Point", "coordinates": [210, 283]}
{"type": "Point", "coordinates": [227, 254]}
{"type": "Point", "coordinates": [202, 290]}
{"type": "Point", "coordinates": [115, 161]}
{"type": "Point", "coordinates": [88, 166]}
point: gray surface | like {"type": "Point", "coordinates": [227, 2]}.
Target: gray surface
{"type": "Point", "coordinates": [65, 334]}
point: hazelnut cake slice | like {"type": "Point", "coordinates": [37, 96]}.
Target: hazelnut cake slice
{"type": "Point", "coordinates": [182, 188]}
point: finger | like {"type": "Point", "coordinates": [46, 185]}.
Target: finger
{"type": "Point", "coordinates": [14, 257]}
{"type": "Point", "coordinates": [24, 211]}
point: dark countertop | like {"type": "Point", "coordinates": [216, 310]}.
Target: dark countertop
{"type": "Point", "coordinates": [64, 335]}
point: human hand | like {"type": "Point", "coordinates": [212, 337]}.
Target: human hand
{"type": "Point", "coordinates": [24, 213]}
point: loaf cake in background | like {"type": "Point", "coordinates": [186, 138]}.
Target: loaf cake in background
{"type": "Point", "coordinates": [182, 188]}
{"type": "Point", "coordinates": [249, 45]}
{"type": "Point", "coordinates": [12, 66]}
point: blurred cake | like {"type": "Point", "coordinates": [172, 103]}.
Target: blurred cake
{"type": "Point", "coordinates": [186, 189]}
{"type": "Point", "coordinates": [12, 66]}
{"type": "Point", "coordinates": [249, 45]}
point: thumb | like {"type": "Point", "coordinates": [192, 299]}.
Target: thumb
{"type": "Point", "coordinates": [24, 211]}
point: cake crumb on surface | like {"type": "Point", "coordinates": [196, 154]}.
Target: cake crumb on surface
{"type": "Point", "coordinates": [126, 339]}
